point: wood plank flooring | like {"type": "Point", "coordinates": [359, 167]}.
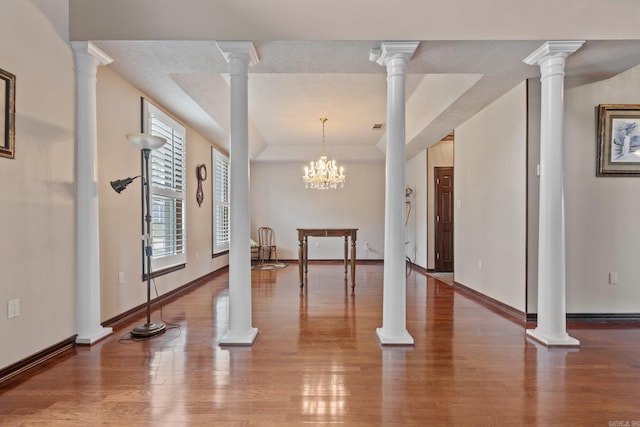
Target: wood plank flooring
{"type": "Point", "coordinates": [316, 361]}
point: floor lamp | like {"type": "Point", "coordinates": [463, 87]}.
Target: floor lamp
{"type": "Point", "coordinates": [146, 143]}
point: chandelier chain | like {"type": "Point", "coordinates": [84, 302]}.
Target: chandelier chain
{"type": "Point", "coordinates": [323, 120]}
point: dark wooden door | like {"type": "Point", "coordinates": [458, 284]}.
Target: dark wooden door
{"type": "Point", "coordinates": [444, 219]}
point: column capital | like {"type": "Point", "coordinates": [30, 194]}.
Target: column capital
{"type": "Point", "coordinates": [552, 49]}
{"type": "Point", "coordinates": [390, 50]}
{"type": "Point", "coordinates": [229, 48]}
{"type": "Point", "coordinates": [86, 47]}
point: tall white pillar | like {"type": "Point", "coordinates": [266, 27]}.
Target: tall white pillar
{"type": "Point", "coordinates": [89, 330]}
{"type": "Point", "coordinates": [240, 55]}
{"type": "Point", "coordinates": [395, 56]}
{"type": "Point", "coordinates": [552, 310]}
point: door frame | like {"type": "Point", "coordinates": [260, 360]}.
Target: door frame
{"type": "Point", "coordinates": [436, 227]}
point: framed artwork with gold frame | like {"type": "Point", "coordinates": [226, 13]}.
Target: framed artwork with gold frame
{"type": "Point", "coordinates": [7, 114]}
{"type": "Point", "coordinates": [618, 140]}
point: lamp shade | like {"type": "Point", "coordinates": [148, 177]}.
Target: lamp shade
{"type": "Point", "coordinates": [120, 184]}
{"type": "Point", "coordinates": [145, 141]}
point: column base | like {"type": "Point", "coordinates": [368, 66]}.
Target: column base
{"type": "Point", "coordinates": [553, 340]}
{"type": "Point", "coordinates": [94, 337]}
{"type": "Point", "coordinates": [230, 338]}
{"type": "Point", "coordinates": [394, 339]}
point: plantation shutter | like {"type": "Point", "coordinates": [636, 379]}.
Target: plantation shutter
{"type": "Point", "coordinates": [167, 190]}
{"type": "Point", "coordinates": [221, 198]}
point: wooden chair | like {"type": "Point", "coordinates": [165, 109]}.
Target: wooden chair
{"type": "Point", "coordinates": [266, 244]}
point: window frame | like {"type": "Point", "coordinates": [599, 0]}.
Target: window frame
{"type": "Point", "coordinates": [221, 199]}
{"type": "Point", "coordinates": [177, 260]}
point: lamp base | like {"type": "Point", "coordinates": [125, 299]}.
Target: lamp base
{"type": "Point", "coordinates": [148, 330]}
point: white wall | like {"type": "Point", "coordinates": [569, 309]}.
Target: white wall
{"type": "Point", "coordinates": [416, 230]}
{"type": "Point", "coordinates": [279, 200]}
{"type": "Point", "coordinates": [120, 223]}
{"type": "Point", "coordinates": [438, 155]}
{"type": "Point", "coordinates": [490, 186]}
{"type": "Point", "coordinates": [37, 210]}
{"type": "Point", "coordinates": [601, 212]}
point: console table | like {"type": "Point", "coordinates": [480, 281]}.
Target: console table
{"type": "Point", "coordinates": [303, 248]}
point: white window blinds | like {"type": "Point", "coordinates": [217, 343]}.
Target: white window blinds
{"type": "Point", "coordinates": [221, 199]}
{"type": "Point", "coordinates": [167, 189]}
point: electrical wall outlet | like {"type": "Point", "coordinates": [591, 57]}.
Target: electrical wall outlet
{"type": "Point", "coordinates": [13, 308]}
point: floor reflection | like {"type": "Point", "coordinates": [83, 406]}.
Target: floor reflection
{"type": "Point", "coordinates": [324, 394]}
{"type": "Point", "coordinates": [394, 382]}
{"type": "Point", "coordinates": [323, 319]}
{"type": "Point", "coordinates": [545, 375]}
{"type": "Point", "coordinates": [317, 361]}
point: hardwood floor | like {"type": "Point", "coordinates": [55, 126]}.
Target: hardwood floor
{"type": "Point", "coordinates": [316, 361]}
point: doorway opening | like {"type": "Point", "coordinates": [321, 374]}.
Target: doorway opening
{"type": "Point", "coordinates": [443, 226]}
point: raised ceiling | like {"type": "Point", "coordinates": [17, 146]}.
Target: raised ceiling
{"type": "Point", "coordinates": [304, 73]}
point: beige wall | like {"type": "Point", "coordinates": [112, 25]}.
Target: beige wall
{"type": "Point", "coordinates": [120, 250]}
{"type": "Point", "coordinates": [490, 189]}
{"type": "Point", "coordinates": [37, 210]}
{"type": "Point", "coordinates": [599, 212]}
{"type": "Point", "coordinates": [533, 190]}
{"type": "Point", "coordinates": [37, 202]}
{"type": "Point", "coordinates": [420, 176]}
{"type": "Point", "coordinates": [280, 200]}
{"type": "Point", "coordinates": [439, 155]}
{"type": "Point", "coordinates": [602, 235]}
{"type": "Point", "coordinates": [416, 229]}
{"type": "Point", "coordinates": [333, 20]}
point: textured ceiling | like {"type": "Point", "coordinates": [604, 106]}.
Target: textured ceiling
{"type": "Point", "coordinates": [297, 82]}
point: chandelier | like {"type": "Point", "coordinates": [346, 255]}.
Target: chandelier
{"type": "Point", "coordinates": [323, 174]}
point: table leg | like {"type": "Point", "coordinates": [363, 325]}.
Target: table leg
{"type": "Point", "coordinates": [353, 263]}
{"type": "Point", "coordinates": [300, 260]}
{"type": "Point", "coordinates": [306, 254]}
{"type": "Point", "coordinates": [346, 253]}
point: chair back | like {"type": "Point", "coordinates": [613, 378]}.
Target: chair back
{"type": "Point", "coordinates": [266, 236]}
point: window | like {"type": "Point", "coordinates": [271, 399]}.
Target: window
{"type": "Point", "coordinates": [168, 194]}
{"type": "Point", "coordinates": [220, 202]}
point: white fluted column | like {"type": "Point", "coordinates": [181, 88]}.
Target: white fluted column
{"type": "Point", "coordinates": [240, 55]}
{"type": "Point", "coordinates": [89, 330]}
{"type": "Point", "coordinates": [395, 56]}
{"type": "Point", "coordinates": [552, 311]}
